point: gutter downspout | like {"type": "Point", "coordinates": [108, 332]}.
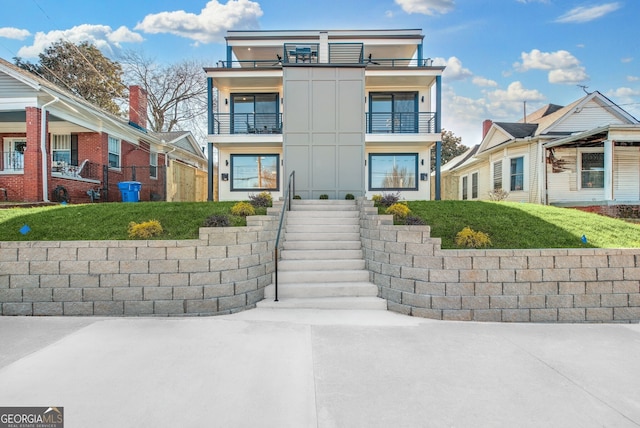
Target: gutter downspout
{"type": "Point", "coordinates": [43, 147]}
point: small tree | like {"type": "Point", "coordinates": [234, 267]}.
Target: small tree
{"type": "Point", "coordinates": [451, 147]}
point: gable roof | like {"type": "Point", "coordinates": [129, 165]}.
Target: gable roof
{"type": "Point", "coordinates": [460, 160]}
{"type": "Point", "coordinates": [183, 140]}
{"type": "Point", "coordinates": [519, 130]}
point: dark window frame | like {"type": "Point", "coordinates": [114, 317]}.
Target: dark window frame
{"type": "Point", "coordinates": [370, 170]}
{"type": "Point", "coordinates": [232, 159]}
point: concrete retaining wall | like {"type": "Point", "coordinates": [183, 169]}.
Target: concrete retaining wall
{"type": "Point", "coordinates": [223, 271]}
{"type": "Point", "coordinates": [416, 277]}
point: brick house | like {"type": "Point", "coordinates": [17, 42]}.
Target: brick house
{"type": "Point", "coordinates": [57, 146]}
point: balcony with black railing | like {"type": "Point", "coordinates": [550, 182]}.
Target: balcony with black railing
{"type": "Point", "coordinates": [245, 123]}
{"type": "Point", "coordinates": [401, 123]}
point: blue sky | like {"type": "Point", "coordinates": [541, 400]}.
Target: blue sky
{"type": "Point", "coordinates": [498, 53]}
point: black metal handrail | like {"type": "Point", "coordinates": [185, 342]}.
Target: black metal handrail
{"type": "Point", "coordinates": [246, 123]}
{"type": "Point", "coordinates": [400, 122]}
{"type": "Point", "coordinates": [286, 206]}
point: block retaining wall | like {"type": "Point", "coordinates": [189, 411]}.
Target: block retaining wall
{"type": "Point", "coordinates": [417, 278]}
{"type": "Point", "coordinates": [223, 271]}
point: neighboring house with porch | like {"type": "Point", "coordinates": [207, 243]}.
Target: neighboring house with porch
{"type": "Point", "coordinates": [58, 146]}
{"type": "Point", "coordinates": [351, 112]}
{"type": "Point", "coordinates": [587, 153]}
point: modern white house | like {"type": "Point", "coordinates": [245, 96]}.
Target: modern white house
{"type": "Point", "coordinates": [583, 154]}
{"type": "Point", "coordinates": [351, 112]}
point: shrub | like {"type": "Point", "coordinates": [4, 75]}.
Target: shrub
{"type": "Point", "coordinates": [470, 238]}
{"type": "Point", "coordinates": [144, 230]}
{"type": "Point", "coordinates": [324, 196]}
{"type": "Point", "coordinates": [262, 199]}
{"type": "Point", "coordinates": [349, 196]}
{"type": "Point", "coordinates": [217, 220]}
{"type": "Point", "coordinates": [297, 197]}
{"type": "Point", "coordinates": [498, 195]}
{"type": "Point", "coordinates": [243, 209]}
{"type": "Point", "coordinates": [398, 210]}
{"type": "Point", "coordinates": [388, 199]}
{"type": "Point", "coordinates": [376, 199]}
{"type": "Point", "coordinates": [413, 220]}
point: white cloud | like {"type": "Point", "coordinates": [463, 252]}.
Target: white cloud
{"type": "Point", "coordinates": [633, 78]}
{"type": "Point", "coordinates": [583, 14]}
{"type": "Point", "coordinates": [102, 36]}
{"type": "Point", "coordinates": [626, 60]}
{"type": "Point", "coordinates": [624, 92]}
{"type": "Point", "coordinates": [563, 67]}
{"type": "Point", "coordinates": [426, 7]}
{"type": "Point", "coordinates": [627, 98]}
{"type": "Point", "coordinates": [482, 81]}
{"type": "Point", "coordinates": [454, 70]}
{"type": "Point", "coordinates": [207, 27]}
{"type": "Point", "coordinates": [14, 33]}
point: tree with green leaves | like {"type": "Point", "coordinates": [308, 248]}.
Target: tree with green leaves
{"type": "Point", "coordinates": [81, 69]}
{"type": "Point", "coordinates": [451, 147]}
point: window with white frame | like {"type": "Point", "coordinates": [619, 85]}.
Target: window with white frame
{"type": "Point", "coordinates": [61, 149]}
{"type": "Point", "coordinates": [592, 170]}
{"type": "Point", "coordinates": [517, 173]}
{"type": "Point", "coordinates": [114, 152]}
{"type": "Point", "coordinates": [465, 183]}
{"type": "Point", "coordinates": [474, 185]}
{"type": "Point", "coordinates": [497, 175]}
{"type": "Point", "coordinates": [393, 171]}
{"type": "Point", "coordinates": [153, 164]}
{"type": "Point", "coordinates": [13, 154]}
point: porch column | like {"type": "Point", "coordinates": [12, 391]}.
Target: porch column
{"type": "Point", "coordinates": [608, 170]}
{"type": "Point", "coordinates": [438, 130]}
{"type": "Point", "coordinates": [32, 173]}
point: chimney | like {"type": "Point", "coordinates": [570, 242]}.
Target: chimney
{"type": "Point", "coordinates": [486, 125]}
{"type": "Point", "coordinates": [138, 106]}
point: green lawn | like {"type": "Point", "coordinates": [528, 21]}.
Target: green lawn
{"type": "Point", "coordinates": [509, 225]}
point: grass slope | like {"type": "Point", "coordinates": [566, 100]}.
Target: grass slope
{"type": "Point", "coordinates": [519, 225]}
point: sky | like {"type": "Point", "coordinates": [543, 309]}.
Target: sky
{"type": "Point", "coordinates": [498, 53]}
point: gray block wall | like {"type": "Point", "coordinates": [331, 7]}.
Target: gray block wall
{"type": "Point", "coordinates": [223, 271]}
{"type": "Point", "coordinates": [417, 278]}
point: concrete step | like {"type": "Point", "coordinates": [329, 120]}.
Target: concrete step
{"type": "Point", "coordinates": [322, 214]}
{"type": "Point", "coordinates": [320, 265]}
{"type": "Point", "coordinates": [323, 207]}
{"type": "Point", "coordinates": [326, 303]}
{"type": "Point", "coordinates": [322, 245]}
{"type": "Point", "coordinates": [315, 276]}
{"type": "Point", "coordinates": [322, 228]}
{"type": "Point", "coordinates": [296, 221]}
{"type": "Point", "coordinates": [333, 289]}
{"type": "Point", "coordinates": [332, 202]}
{"type": "Point", "coordinates": [317, 254]}
{"type": "Point", "coordinates": [320, 236]}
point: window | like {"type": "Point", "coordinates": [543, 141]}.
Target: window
{"type": "Point", "coordinates": [255, 113]}
{"type": "Point", "coordinates": [61, 149]}
{"type": "Point", "coordinates": [517, 173]}
{"type": "Point", "coordinates": [153, 164]}
{"type": "Point", "coordinates": [114, 152]}
{"type": "Point", "coordinates": [592, 170]}
{"type": "Point", "coordinates": [465, 182]}
{"type": "Point", "coordinates": [255, 172]}
{"type": "Point", "coordinates": [497, 175]}
{"type": "Point", "coordinates": [393, 171]}
{"type": "Point", "coordinates": [474, 185]}
{"type": "Point", "coordinates": [393, 112]}
{"type": "Point", "coordinates": [13, 154]}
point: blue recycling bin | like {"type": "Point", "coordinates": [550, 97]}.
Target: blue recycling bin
{"type": "Point", "coordinates": [130, 191]}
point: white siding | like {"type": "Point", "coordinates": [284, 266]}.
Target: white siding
{"type": "Point", "coordinates": [589, 116]}
{"type": "Point", "coordinates": [626, 177]}
{"type": "Point", "coordinates": [12, 88]}
{"type": "Point", "coordinates": [562, 179]}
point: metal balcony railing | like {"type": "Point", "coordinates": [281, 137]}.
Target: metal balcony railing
{"type": "Point", "coordinates": [12, 161]}
{"type": "Point", "coordinates": [401, 122]}
{"type": "Point", "coordinates": [246, 123]}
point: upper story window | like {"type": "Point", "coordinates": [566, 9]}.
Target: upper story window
{"type": "Point", "coordinates": [255, 113]}
{"type": "Point", "coordinates": [114, 152]}
{"type": "Point", "coordinates": [592, 170]}
{"type": "Point", "coordinates": [392, 112]}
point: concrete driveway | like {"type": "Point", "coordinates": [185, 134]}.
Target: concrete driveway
{"type": "Point", "coordinates": [313, 368]}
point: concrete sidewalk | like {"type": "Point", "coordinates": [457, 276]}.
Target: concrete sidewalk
{"type": "Point", "coordinates": [310, 368]}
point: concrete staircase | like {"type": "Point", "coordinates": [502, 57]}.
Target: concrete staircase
{"type": "Point", "coordinates": [321, 264]}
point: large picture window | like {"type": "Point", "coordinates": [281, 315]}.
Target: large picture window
{"type": "Point", "coordinates": [592, 170]}
{"type": "Point", "coordinates": [255, 172]}
{"type": "Point", "coordinates": [517, 174]}
{"type": "Point", "coordinates": [397, 171]}
{"type": "Point", "coordinates": [114, 152]}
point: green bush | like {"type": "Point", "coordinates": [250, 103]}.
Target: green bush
{"type": "Point", "coordinates": [217, 220]}
{"type": "Point", "coordinates": [324, 196]}
{"type": "Point", "coordinates": [470, 238]}
{"type": "Point", "coordinates": [413, 220]}
{"type": "Point", "coordinates": [399, 210]}
{"type": "Point", "coordinates": [144, 230]}
{"type": "Point", "coordinates": [349, 196]}
{"type": "Point", "coordinates": [297, 197]}
{"type": "Point", "coordinates": [243, 209]}
{"type": "Point", "coordinates": [262, 199]}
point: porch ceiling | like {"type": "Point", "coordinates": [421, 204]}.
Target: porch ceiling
{"type": "Point", "coordinates": [246, 79]}
{"type": "Point", "coordinates": [393, 77]}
